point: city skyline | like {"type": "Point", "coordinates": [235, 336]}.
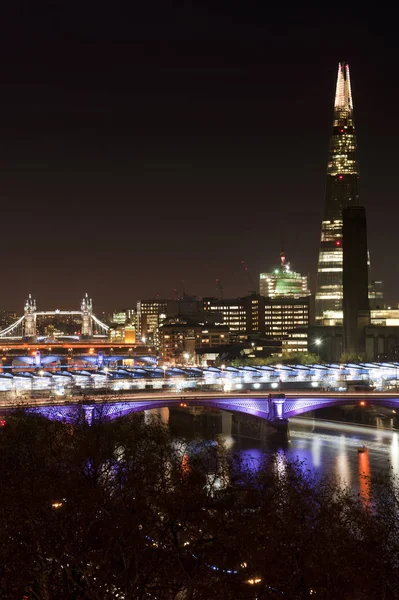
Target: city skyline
{"type": "Point", "coordinates": [161, 160]}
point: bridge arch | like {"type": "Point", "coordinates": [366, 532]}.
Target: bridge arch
{"type": "Point", "coordinates": [114, 410]}
{"type": "Point", "coordinates": [299, 406]}
{"type": "Point", "coordinates": [263, 408]}
{"type": "Point", "coordinates": [254, 407]}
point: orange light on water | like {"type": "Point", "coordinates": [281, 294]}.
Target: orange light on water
{"type": "Point", "coordinates": [364, 477]}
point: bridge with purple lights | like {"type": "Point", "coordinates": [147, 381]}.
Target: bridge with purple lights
{"type": "Point", "coordinates": [275, 408]}
{"type": "Point", "coordinates": [274, 393]}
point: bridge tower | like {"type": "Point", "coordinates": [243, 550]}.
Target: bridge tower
{"type": "Point", "coordinates": [87, 323]}
{"type": "Point", "coordinates": [30, 318]}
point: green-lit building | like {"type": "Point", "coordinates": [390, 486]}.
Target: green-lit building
{"type": "Point", "coordinates": [283, 282]}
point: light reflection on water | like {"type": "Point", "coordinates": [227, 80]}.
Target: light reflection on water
{"type": "Point", "coordinates": [343, 471]}
{"type": "Point", "coordinates": [324, 447]}
{"type": "Point", "coordinates": [395, 452]}
{"type": "Point", "coordinates": [331, 449]}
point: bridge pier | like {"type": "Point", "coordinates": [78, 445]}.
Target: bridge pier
{"type": "Point", "coordinates": [158, 414]}
{"type": "Point", "coordinates": [227, 421]}
{"type": "Point", "coordinates": [88, 410]}
{"type": "Point", "coordinates": [277, 420]}
{"type": "Point", "coordinates": [280, 430]}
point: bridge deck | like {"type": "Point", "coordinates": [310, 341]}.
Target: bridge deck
{"type": "Point", "coordinates": [193, 398]}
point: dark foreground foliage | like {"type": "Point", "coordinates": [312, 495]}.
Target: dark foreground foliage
{"type": "Point", "coordinates": [121, 510]}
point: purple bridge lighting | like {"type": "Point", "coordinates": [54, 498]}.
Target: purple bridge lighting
{"type": "Point", "coordinates": [276, 408]}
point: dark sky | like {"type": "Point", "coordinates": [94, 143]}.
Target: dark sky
{"type": "Point", "coordinates": [153, 148]}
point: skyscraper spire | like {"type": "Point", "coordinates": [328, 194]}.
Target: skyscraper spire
{"type": "Point", "coordinates": [341, 192]}
{"type": "Point", "coordinates": [343, 93]}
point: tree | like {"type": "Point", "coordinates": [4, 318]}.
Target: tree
{"type": "Point", "coordinates": [351, 357]}
{"type": "Point", "coordinates": [122, 509]}
{"type": "Point", "coordinates": [295, 358]}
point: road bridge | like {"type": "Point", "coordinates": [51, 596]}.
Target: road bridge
{"type": "Point", "coordinates": [277, 409]}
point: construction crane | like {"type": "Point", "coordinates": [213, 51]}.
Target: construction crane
{"type": "Point", "coordinates": [254, 286]}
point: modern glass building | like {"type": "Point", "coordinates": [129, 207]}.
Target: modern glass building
{"type": "Point", "coordinates": [341, 191]}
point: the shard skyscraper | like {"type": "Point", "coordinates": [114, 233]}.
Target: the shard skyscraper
{"type": "Point", "coordinates": [341, 191]}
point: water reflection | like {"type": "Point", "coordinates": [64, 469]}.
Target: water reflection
{"type": "Point", "coordinates": [334, 451]}
{"type": "Point", "coordinates": [395, 453]}
{"type": "Point", "coordinates": [342, 463]}
{"type": "Point", "coordinates": [364, 474]}
{"type": "Point", "coordinates": [316, 452]}
{"type": "Point", "coordinates": [324, 447]}
{"type": "Point", "coordinates": [252, 458]}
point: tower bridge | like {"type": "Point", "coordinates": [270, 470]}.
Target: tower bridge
{"type": "Point", "coordinates": [25, 327]}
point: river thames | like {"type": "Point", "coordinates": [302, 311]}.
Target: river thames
{"type": "Point", "coordinates": [325, 447]}
{"type": "Point", "coordinates": [331, 448]}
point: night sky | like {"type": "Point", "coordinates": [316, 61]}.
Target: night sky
{"type": "Point", "coordinates": [152, 149]}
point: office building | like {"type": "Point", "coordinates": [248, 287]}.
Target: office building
{"type": "Point", "coordinates": [341, 192]}
{"type": "Point", "coordinates": [356, 310]}
{"type": "Point", "coordinates": [284, 314]}
{"type": "Point", "coordinates": [180, 337]}
{"type": "Point", "coordinates": [125, 334]}
{"type": "Point", "coordinates": [295, 341]}
{"type": "Point", "coordinates": [283, 282]}
{"type": "Point", "coordinates": [238, 314]}
{"type": "Point", "coordinates": [255, 314]}
{"type": "Point", "coordinates": [119, 317]}
{"type": "Point", "coordinates": [152, 312]}
{"type": "Point", "coordinates": [376, 295]}
{"type": "Point", "coordinates": [387, 317]}
{"type": "Point", "coordinates": [7, 317]}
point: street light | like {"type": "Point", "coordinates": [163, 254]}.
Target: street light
{"type": "Point", "coordinates": [223, 368]}
{"type": "Point", "coordinates": [318, 342]}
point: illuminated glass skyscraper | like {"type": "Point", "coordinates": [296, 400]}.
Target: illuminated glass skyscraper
{"type": "Point", "coordinates": [341, 192]}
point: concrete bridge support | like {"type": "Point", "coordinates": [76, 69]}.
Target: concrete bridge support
{"type": "Point", "coordinates": [160, 414]}
{"type": "Point", "coordinates": [88, 410]}
{"type": "Point", "coordinates": [276, 417]}
{"type": "Point", "coordinates": [227, 421]}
